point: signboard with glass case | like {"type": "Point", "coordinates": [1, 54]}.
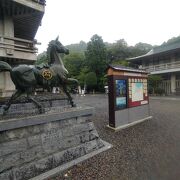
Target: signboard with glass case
{"type": "Point", "coordinates": [128, 95]}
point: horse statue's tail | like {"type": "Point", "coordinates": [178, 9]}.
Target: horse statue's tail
{"type": "Point", "coordinates": [4, 66]}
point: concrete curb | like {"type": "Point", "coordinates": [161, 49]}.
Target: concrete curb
{"type": "Point", "coordinates": [54, 172]}
{"type": "Point", "coordinates": [165, 98]}
{"type": "Point", "coordinates": [129, 125]}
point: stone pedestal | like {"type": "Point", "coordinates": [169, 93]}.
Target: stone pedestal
{"type": "Point", "coordinates": [41, 146]}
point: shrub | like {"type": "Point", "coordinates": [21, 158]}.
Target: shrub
{"type": "Point", "coordinates": [159, 91]}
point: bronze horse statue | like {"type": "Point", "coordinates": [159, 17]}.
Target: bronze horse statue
{"type": "Point", "coordinates": [27, 78]}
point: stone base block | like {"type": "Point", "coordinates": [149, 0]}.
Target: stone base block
{"type": "Point", "coordinates": [40, 146]}
{"type": "Point", "coordinates": [27, 108]}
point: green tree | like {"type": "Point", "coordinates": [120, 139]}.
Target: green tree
{"type": "Point", "coordinates": [96, 58]}
{"type": "Point", "coordinates": [118, 51]}
{"type": "Point", "coordinates": [144, 47]}
{"type": "Point", "coordinates": [74, 62]}
{"type": "Point", "coordinates": [82, 76]}
{"type": "Point", "coordinates": [42, 58]}
{"type": "Point", "coordinates": [121, 62]}
{"type": "Point", "coordinates": [172, 41]}
{"type": "Point", "coordinates": [154, 82]}
{"type": "Point", "coordinates": [139, 49]}
{"type": "Point", "coordinates": [96, 55]}
{"type": "Point", "coordinates": [91, 81]}
{"type": "Point", "coordinates": [79, 47]}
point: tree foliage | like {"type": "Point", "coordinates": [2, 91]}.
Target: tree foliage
{"type": "Point", "coordinates": [74, 63]}
{"type": "Point", "coordinates": [96, 58]}
{"type": "Point", "coordinates": [154, 82]}
{"type": "Point", "coordinates": [91, 80]}
{"type": "Point", "coordinates": [96, 55]}
{"type": "Point", "coordinates": [121, 62]}
{"type": "Point", "coordinates": [172, 41]}
{"type": "Point", "coordinates": [118, 51]}
{"type": "Point", "coordinates": [82, 76]}
{"type": "Point", "coordinates": [79, 47]}
{"type": "Point", "coordinates": [42, 58]}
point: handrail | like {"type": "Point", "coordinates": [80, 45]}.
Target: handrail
{"type": "Point", "coordinates": [164, 66]}
{"type": "Point", "coordinates": [19, 49]}
{"type": "Point", "coordinates": [43, 2]}
{"type": "Point", "coordinates": [18, 39]}
{"type": "Point", "coordinates": [18, 44]}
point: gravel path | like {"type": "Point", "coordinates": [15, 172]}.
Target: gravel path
{"type": "Point", "coordinates": [147, 151]}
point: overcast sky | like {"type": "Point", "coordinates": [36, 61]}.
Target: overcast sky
{"type": "Point", "coordinates": [148, 21]}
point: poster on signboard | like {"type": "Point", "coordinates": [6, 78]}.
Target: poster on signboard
{"type": "Point", "coordinates": [121, 102]}
{"type": "Point", "coordinates": [120, 87]}
{"type": "Point", "coordinates": [137, 91]}
{"type": "Point", "coordinates": [121, 94]}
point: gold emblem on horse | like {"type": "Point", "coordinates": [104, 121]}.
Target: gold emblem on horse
{"type": "Point", "coordinates": [47, 74]}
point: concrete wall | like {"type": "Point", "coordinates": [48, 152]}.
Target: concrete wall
{"type": "Point", "coordinates": [6, 85]}
{"type": "Point", "coordinates": [29, 147]}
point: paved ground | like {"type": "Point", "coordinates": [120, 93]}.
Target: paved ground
{"type": "Point", "coordinates": [147, 151]}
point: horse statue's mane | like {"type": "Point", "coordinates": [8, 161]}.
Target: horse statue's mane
{"type": "Point", "coordinates": [49, 52]}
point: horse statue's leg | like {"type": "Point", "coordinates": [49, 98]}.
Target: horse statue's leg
{"type": "Point", "coordinates": [13, 97]}
{"type": "Point", "coordinates": [68, 95]}
{"type": "Point", "coordinates": [39, 105]}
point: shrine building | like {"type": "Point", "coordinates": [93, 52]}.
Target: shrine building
{"type": "Point", "coordinates": [163, 60]}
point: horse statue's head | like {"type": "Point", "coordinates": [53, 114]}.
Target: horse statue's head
{"type": "Point", "coordinates": [59, 47]}
{"type": "Point", "coordinates": [54, 48]}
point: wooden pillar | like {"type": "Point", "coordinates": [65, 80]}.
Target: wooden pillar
{"type": "Point", "coordinates": [173, 83]}
{"type": "Point", "coordinates": [9, 32]}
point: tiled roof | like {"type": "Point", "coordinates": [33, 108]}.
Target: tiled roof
{"type": "Point", "coordinates": [125, 68]}
{"type": "Point", "coordinates": [158, 50]}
